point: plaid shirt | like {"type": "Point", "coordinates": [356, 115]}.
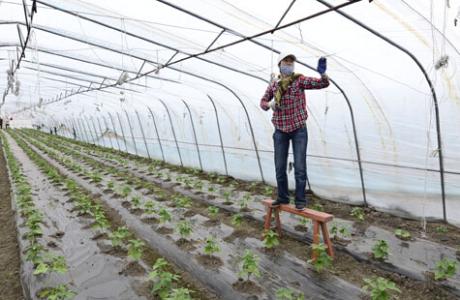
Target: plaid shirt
{"type": "Point", "coordinates": [293, 112]}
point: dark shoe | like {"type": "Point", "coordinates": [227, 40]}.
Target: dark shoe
{"type": "Point", "coordinates": [279, 202]}
{"type": "Point", "coordinates": [300, 206]}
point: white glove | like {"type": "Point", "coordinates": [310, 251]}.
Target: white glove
{"type": "Point", "coordinates": [272, 105]}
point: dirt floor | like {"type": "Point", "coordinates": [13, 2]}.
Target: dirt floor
{"type": "Point", "coordinates": [10, 284]}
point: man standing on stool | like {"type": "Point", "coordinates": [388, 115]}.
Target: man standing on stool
{"type": "Point", "coordinates": [289, 119]}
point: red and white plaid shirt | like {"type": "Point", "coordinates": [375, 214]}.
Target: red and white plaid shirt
{"type": "Point", "coordinates": [293, 112]}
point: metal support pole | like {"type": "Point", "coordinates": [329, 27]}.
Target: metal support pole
{"type": "Point", "coordinates": [100, 130]}
{"type": "Point", "coordinates": [87, 140]}
{"type": "Point", "coordinates": [115, 132]}
{"type": "Point", "coordinates": [143, 134]}
{"type": "Point", "coordinates": [173, 131]}
{"type": "Point", "coordinates": [122, 131]}
{"type": "Point", "coordinates": [89, 129]}
{"type": "Point", "coordinates": [106, 130]}
{"type": "Point", "coordinates": [194, 134]}
{"type": "Point", "coordinates": [158, 135]}
{"type": "Point", "coordinates": [95, 131]}
{"type": "Point", "coordinates": [220, 134]}
{"type": "Point", "coordinates": [132, 133]}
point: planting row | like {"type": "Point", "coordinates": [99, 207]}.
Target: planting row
{"type": "Point", "coordinates": [104, 259]}
{"type": "Point", "coordinates": [379, 248]}
{"type": "Point", "coordinates": [395, 252]}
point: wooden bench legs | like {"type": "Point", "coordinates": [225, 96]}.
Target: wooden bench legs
{"type": "Point", "coordinates": [316, 229]}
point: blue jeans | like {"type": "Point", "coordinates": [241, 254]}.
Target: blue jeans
{"type": "Point", "coordinates": [281, 140]}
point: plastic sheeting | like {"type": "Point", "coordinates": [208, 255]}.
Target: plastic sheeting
{"type": "Point", "coordinates": [79, 44]}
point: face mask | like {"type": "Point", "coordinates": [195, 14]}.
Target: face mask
{"type": "Point", "coordinates": [287, 69]}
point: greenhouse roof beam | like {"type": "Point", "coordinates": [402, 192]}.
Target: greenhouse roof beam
{"type": "Point", "coordinates": [284, 14]}
{"type": "Point", "coordinates": [148, 40]}
{"type": "Point", "coordinates": [355, 135]}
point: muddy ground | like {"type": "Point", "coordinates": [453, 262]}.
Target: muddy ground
{"type": "Point", "coordinates": [10, 284]}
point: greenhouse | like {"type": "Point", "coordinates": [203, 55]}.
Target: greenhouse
{"type": "Point", "coordinates": [225, 149]}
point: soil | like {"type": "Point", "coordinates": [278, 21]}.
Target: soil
{"type": "Point", "coordinates": [10, 287]}
{"type": "Point", "coordinates": [133, 269]}
{"type": "Point", "coordinates": [211, 223]}
{"type": "Point", "coordinates": [346, 266]}
{"type": "Point", "coordinates": [150, 220]}
{"type": "Point", "coordinates": [435, 231]}
{"type": "Point", "coordinates": [186, 245]}
{"type": "Point", "coordinates": [209, 261]}
{"type": "Point", "coordinates": [247, 286]}
{"type": "Point", "coordinates": [165, 230]}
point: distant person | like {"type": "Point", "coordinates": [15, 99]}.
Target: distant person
{"type": "Point", "coordinates": [55, 130]}
{"type": "Point", "coordinates": [1, 123]}
{"type": "Point", "coordinates": [7, 123]}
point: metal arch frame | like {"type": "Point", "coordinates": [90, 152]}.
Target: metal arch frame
{"type": "Point", "coordinates": [194, 134]}
{"type": "Point", "coordinates": [158, 134]}
{"type": "Point", "coordinates": [430, 84]}
{"type": "Point", "coordinates": [132, 133]}
{"type": "Point", "coordinates": [220, 134]}
{"type": "Point", "coordinates": [94, 127]}
{"type": "Point", "coordinates": [102, 132]}
{"type": "Point", "coordinates": [89, 130]}
{"type": "Point", "coordinates": [142, 132]}
{"type": "Point", "coordinates": [122, 131]}
{"type": "Point", "coordinates": [107, 128]}
{"type": "Point", "coordinates": [173, 131]}
{"type": "Point", "coordinates": [357, 149]}
{"type": "Point", "coordinates": [244, 39]}
{"type": "Point", "coordinates": [143, 39]}
{"type": "Point", "coordinates": [114, 130]}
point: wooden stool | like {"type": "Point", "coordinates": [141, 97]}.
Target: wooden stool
{"type": "Point", "coordinates": [318, 218]}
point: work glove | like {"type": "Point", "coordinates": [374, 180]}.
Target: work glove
{"type": "Point", "coordinates": [322, 65]}
{"type": "Point", "coordinates": [272, 105]}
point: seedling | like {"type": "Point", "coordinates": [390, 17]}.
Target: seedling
{"type": "Point", "coordinates": [445, 268]}
{"type": "Point", "coordinates": [126, 191]}
{"type": "Point", "coordinates": [213, 211]}
{"type": "Point", "coordinates": [211, 189]}
{"type": "Point", "coordinates": [136, 201]}
{"type": "Point", "coordinates": [118, 236]}
{"type": "Point", "coordinates": [198, 185]}
{"type": "Point", "coordinates": [339, 232]}
{"type": "Point", "coordinates": [441, 229]}
{"type": "Point", "coordinates": [357, 213]}
{"type": "Point", "coordinates": [135, 249]}
{"type": "Point", "coordinates": [149, 207]}
{"type": "Point", "coordinates": [268, 191]}
{"type": "Point", "coordinates": [61, 292]}
{"type": "Point", "coordinates": [100, 220]}
{"type": "Point", "coordinates": [317, 207]}
{"type": "Point", "coordinates": [227, 195]}
{"type": "Point", "coordinates": [182, 201]}
{"type": "Point", "coordinates": [244, 202]}
{"type": "Point", "coordinates": [165, 216]}
{"type": "Point", "coordinates": [180, 294]}
{"type": "Point", "coordinates": [380, 288]}
{"type": "Point", "coordinates": [95, 177]}
{"type": "Point", "coordinates": [250, 265]}
{"type": "Point", "coordinates": [110, 184]}
{"type": "Point", "coordinates": [271, 239]}
{"type": "Point", "coordinates": [380, 250]}
{"type": "Point", "coordinates": [237, 219]}
{"type": "Point", "coordinates": [211, 246]}
{"type": "Point", "coordinates": [323, 260]}
{"type": "Point", "coordinates": [402, 234]}
{"type": "Point", "coordinates": [288, 294]}
{"type": "Point", "coordinates": [185, 229]}
{"type": "Point", "coordinates": [162, 279]}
